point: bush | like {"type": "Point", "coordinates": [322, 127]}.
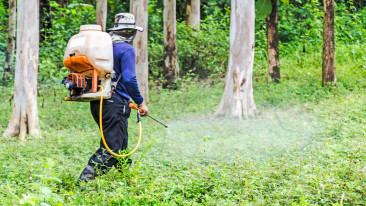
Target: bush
{"type": "Point", "coordinates": [3, 27]}
{"type": "Point", "coordinates": [201, 54]}
{"type": "Point", "coordinates": [65, 24]}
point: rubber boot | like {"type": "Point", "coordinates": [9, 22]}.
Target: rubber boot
{"type": "Point", "coordinates": [87, 174]}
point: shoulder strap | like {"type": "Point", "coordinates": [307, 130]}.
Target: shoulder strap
{"type": "Point", "coordinates": [119, 78]}
{"type": "Point", "coordinates": [115, 84]}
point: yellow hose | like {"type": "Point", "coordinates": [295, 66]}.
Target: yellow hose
{"type": "Point", "coordinates": [101, 130]}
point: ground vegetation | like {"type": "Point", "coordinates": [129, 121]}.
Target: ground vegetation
{"type": "Point", "coordinates": [305, 147]}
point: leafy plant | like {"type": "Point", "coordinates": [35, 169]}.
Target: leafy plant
{"type": "Point", "coordinates": [65, 24]}
{"type": "Point", "coordinates": [262, 8]}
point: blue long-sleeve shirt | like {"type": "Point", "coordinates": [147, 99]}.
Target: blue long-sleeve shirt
{"type": "Point", "coordinates": [124, 61]}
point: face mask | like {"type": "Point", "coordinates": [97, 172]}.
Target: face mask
{"type": "Point", "coordinates": [123, 36]}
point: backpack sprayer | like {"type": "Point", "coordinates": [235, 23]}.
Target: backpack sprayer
{"type": "Point", "coordinates": [89, 60]}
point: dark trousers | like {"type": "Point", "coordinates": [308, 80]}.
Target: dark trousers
{"type": "Point", "coordinates": [115, 114]}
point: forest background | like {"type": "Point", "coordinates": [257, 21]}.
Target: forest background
{"type": "Point", "coordinates": [306, 147]}
{"type": "Point", "coordinates": [202, 55]}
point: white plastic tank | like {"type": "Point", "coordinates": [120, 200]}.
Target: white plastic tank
{"type": "Point", "coordinates": [95, 45]}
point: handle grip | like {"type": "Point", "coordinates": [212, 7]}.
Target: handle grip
{"type": "Point", "coordinates": [133, 106]}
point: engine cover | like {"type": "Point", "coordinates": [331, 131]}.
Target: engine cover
{"type": "Point", "coordinates": [75, 81]}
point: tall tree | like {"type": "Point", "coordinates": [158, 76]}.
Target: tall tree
{"type": "Point", "coordinates": [9, 55]}
{"type": "Point", "coordinates": [24, 119]}
{"type": "Point", "coordinates": [171, 67]}
{"type": "Point", "coordinates": [101, 18]}
{"type": "Point", "coordinates": [140, 10]}
{"type": "Point", "coordinates": [237, 100]}
{"type": "Point", "coordinates": [329, 74]}
{"type": "Point", "coordinates": [193, 14]}
{"type": "Point", "coordinates": [272, 44]}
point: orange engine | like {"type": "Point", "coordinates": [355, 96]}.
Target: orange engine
{"type": "Point", "coordinates": [77, 84]}
{"type": "Point", "coordinates": [77, 80]}
{"type": "Point", "coordinates": [80, 64]}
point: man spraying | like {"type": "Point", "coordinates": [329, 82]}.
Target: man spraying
{"type": "Point", "coordinates": [116, 110]}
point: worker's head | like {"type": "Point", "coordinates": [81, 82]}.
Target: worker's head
{"type": "Point", "coordinates": [124, 26]}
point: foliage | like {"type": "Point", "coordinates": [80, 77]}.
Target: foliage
{"type": "Point", "coordinates": [325, 168]}
{"type": "Point", "coordinates": [209, 57]}
{"type": "Point", "coordinates": [350, 25]}
{"type": "Point", "coordinates": [307, 147]}
{"type": "Point", "coordinates": [300, 31]}
{"type": "Point", "coordinates": [201, 54]}
{"type": "Point", "coordinates": [65, 24]}
{"type": "Point", "coordinates": [308, 24]}
{"type": "Point", "coordinates": [3, 27]}
{"type": "Point", "coordinates": [3, 35]}
{"type": "Point", "coordinates": [262, 8]}
{"type": "Point", "coordinates": [115, 7]}
{"type": "Point", "coordinates": [301, 28]}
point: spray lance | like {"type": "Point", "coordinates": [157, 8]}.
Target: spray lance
{"type": "Point", "coordinates": [133, 106]}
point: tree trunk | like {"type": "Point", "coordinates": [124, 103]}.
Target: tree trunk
{"type": "Point", "coordinates": [24, 119]}
{"type": "Point", "coordinates": [193, 14]}
{"type": "Point", "coordinates": [272, 44]}
{"type": "Point", "coordinates": [329, 74]}
{"type": "Point", "coordinates": [45, 18]}
{"type": "Point", "coordinates": [171, 67]}
{"type": "Point", "coordinates": [140, 10]}
{"type": "Point", "coordinates": [237, 100]}
{"type": "Point", "coordinates": [9, 55]}
{"type": "Point", "coordinates": [101, 18]}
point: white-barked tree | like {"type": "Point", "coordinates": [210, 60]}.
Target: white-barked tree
{"type": "Point", "coordinates": [140, 9]}
{"type": "Point", "coordinates": [24, 119]}
{"type": "Point", "coordinates": [237, 100]}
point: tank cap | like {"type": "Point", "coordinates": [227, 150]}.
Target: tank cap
{"type": "Point", "coordinates": [90, 27]}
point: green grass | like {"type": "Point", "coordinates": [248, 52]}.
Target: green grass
{"type": "Point", "coordinates": [306, 147]}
